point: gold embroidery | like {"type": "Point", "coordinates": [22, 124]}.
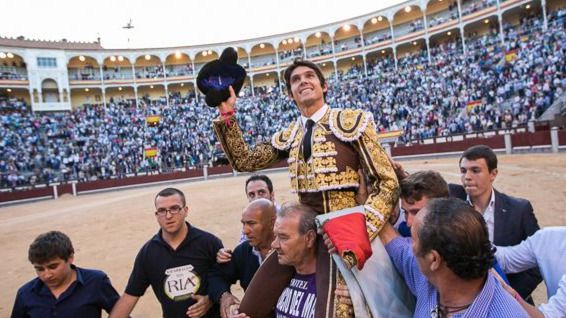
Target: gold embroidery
{"type": "Point", "coordinates": [323, 148]}
{"type": "Point", "coordinates": [324, 164]}
{"type": "Point", "coordinates": [338, 200]}
{"type": "Point", "coordinates": [282, 140]}
{"type": "Point", "coordinates": [342, 310]}
{"type": "Point", "coordinates": [337, 180]}
{"type": "Point", "coordinates": [380, 202]}
{"type": "Point", "coordinates": [237, 151]}
{"type": "Point", "coordinates": [349, 124]}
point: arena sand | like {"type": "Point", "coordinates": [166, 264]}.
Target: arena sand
{"type": "Point", "coordinates": [107, 229]}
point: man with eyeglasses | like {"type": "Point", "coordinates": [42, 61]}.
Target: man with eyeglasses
{"type": "Point", "coordinates": [175, 262]}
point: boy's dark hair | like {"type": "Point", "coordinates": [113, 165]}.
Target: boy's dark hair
{"type": "Point", "coordinates": [479, 152]}
{"type": "Point", "coordinates": [50, 245]}
{"type": "Point", "coordinates": [423, 183]}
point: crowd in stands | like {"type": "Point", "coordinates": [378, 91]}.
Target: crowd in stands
{"type": "Point", "coordinates": [491, 86]}
{"type": "Point", "coordinates": [149, 72]}
{"type": "Point", "coordinates": [476, 6]}
{"type": "Point", "coordinates": [290, 54]}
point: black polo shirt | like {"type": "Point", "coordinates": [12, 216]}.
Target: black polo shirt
{"type": "Point", "coordinates": [175, 275]}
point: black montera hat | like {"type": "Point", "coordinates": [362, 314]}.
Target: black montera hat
{"type": "Point", "coordinates": [216, 76]}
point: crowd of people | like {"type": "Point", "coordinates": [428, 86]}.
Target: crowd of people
{"type": "Point", "coordinates": [491, 86]}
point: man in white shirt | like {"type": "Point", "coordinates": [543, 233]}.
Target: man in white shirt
{"type": "Point", "coordinates": [547, 250]}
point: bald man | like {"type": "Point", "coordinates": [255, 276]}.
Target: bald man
{"type": "Point", "coordinates": [258, 219]}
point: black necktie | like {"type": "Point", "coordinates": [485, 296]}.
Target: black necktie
{"type": "Point", "coordinates": [307, 140]}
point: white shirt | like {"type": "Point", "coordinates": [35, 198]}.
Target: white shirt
{"type": "Point", "coordinates": [488, 214]}
{"type": "Point", "coordinates": [556, 306]}
{"type": "Point", "coordinates": [547, 249]}
{"type": "Point", "coordinates": [316, 116]}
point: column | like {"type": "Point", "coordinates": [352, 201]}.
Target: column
{"type": "Point", "coordinates": [393, 44]}
{"type": "Point", "coordinates": [500, 18]}
{"type": "Point", "coordinates": [544, 16]}
{"type": "Point", "coordinates": [461, 27]}
{"type": "Point", "coordinates": [364, 53]}
{"type": "Point", "coordinates": [102, 86]}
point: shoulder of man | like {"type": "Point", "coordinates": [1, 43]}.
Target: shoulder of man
{"type": "Point", "coordinates": [243, 248]}
{"type": "Point", "coordinates": [283, 139]}
{"type": "Point", "coordinates": [89, 273]}
{"type": "Point", "coordinates": [456, 191]}
{"type": "Point", "coordinates": [197, 232]}
{"type": "Point", "coordinates": [511, 200]}
{"type": "Point", "coordinates": [349, 124]}
{"type": "Point", "coordinates": [27, 287]}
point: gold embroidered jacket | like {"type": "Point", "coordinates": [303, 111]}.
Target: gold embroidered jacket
{"type": "Point", "coordinates": [343, 141]}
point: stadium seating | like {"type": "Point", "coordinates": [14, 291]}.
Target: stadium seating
{"type": "Point", "coordinates": [491, 86]}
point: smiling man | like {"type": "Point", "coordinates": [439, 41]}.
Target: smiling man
{"type": "Point", "coordinates": [509, 220]}
{"type": "Point", "coordinates": [61, 289]}
{"type": "Point", "coordinates": [175, 262]}
{"type": "Point", "coordinates": [325, 148]}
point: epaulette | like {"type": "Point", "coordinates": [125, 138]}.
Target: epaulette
{"type": "Point", "coordinates": [282, 139]}
{"type": "Point", "coordinates": [349, 124]}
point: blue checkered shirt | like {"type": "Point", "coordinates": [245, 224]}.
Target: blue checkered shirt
{"type": "Point", "coordinates": [492, 302]}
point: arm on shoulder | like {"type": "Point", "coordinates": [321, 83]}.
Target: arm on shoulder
{"type": "Point", "coordinates": [124, 306]}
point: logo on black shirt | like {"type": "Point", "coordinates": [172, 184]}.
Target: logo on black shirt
{"type": "Point", "coordinates": [181, 282]}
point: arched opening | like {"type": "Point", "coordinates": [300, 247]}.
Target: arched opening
{"type": "Point", "coordinates": [347, 37]}
{"type": "Point", "coordinates": [181, 93]}
{"type": "Point", "coordinates": [318, 44]}
{"type": "Point", "coordinates": [204, 57]}
{"type": "Point", "coordinates": [15, 100]}
{"type": "Point", "coordinates": [376, 30]}
{"type": "Point", "coordinates": [473, 6]}
{"type": "Point", "coordinates": [379, 62]}
{"type": "Point", "coordinates": [261, 55]}
{"type": "Point", "coordinates": [117, 68]}
{"type": "Point", "coordinates": [445, 45]}
{"type": "Point", "coordinates": [482, 33]}
{"type": "Point", "coordinates": [524, 20]}
{"type": "Point", "coordinates": [12, 67]}
{"type": "Point", "coordinates": [351, 67]}
{"type": "Point", "coordinates": [178, 64]}
{"type": "Point", "coordinates": [439, 12]}
{"type": "Point", "coordinates": [86, 97]}
{"type": "Point", "coordinates": [148, 67]}
{"type": "Point", "coordinates": [412, 54]}
{"type": "Point", "coordinates": [264, 83]}
{"type": "Point", "coordinates": [289, 49]}
{"type": "Point", "coordinates": [83, 68]}
{"type": "Point", "coordinates": [50, 91]}
{"type": "Point", "coordinates": [407, 20]}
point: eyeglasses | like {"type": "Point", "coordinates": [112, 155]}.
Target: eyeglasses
{"type": "Point", "coordinates": [173, 210]}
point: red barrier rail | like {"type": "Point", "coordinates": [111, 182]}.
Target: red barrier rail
{"type": "Point", "coordinates": [436, 146]}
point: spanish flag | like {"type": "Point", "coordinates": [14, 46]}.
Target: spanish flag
{"type": "Point", "coordinates": [152, 120]}
{"type": "Point", "coordinates": [150, 152]}
{"type": "Point", "coordinates": [471, 104]}
{"type": "Point", "coordinates": [511, 56]}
